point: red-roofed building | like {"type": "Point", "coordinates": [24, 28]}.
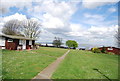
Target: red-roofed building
{"type": "Point", "coordinates": [114, 50]}
{"type": "Point", "coordinates": [16, 42]}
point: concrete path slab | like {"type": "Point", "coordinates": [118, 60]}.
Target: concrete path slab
{"type": "Point", "coordinates": [48, 71]}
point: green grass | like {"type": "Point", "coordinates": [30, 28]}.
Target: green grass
{"type": "Point", "coordinates": [80, 65]}
{"type": "Point", "coordinates": [0, 64]}
{"type": "Point", "coordinates": [27, 64]}
{"type": "Point", "coordinates": [54, 52]}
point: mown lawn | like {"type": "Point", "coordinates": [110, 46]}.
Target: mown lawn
{"type": "Point", "coordinates": [82, 65]}
{"type": "Point", "coordinates": [27, 64]}
{"type": "Point", "coordinates": [0, 64]}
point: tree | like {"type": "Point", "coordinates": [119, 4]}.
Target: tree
{"type": "Point", "coordinates": [31, 28]}
{"type": "Point", "coordinates": [12, 27]}
{"type": "Point", "coordinates": [103, 50]}
{"type": "Point", "coordinates": [118, 37]}
{"type": "Point", "coordinates": [71, 43]}
{"type": "Point", "coordinates": [27, 28]}
{"type": "Point", "coordinates": [57, 42]}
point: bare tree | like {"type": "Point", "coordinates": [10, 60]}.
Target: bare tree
{"type": "Point", "coordinates": [118, 37]}
{"type": "Point", "coordinates": [12, 27]}
{"type": "Point", "coordinates": [57, 42]}
{"type": "Point", "coordinates": [28, 28]}
{"type": "Point", "coordinates": [31, 28]}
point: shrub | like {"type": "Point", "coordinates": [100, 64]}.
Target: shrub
{"type": "Point", "coordinates": [110, 53]}
{"type": "Point", "coordinates": [103, 50]}
{"type": "Point", "coordinates": [96, 50]}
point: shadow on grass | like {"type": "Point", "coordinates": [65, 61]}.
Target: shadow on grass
{"type": "Point", "coordinates": [102, 74]}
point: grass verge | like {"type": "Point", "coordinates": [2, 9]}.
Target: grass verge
{"type": "Point", "coordinates": [87, 65]}
{"type": "Point", "coordinates": [27, 64]}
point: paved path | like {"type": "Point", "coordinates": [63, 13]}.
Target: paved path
{"type": "Point", "coordinates": [48, 71]}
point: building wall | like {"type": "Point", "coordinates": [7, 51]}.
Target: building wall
{"type": "Point", "coordinates": [11, 45]}
{"type": "Point", "coordinates": [26, 44]}
{"type": "Point", "coordinates": [23, 43]}
{"type": "Point", "coordinates": [112, 49]}
{"type": "Point", "coordinates": [2, 42]}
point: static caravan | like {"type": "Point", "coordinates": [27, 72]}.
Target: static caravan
{"type": "Point", "coordinates": [114, 50]}
{"type": "Point", "coordinates": [16, 42]}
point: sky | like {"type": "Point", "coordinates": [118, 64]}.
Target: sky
{"type": "Point", "coordinates": [86, 21]}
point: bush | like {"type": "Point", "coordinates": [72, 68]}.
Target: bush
{"type": "Point", "coordinates": [96, 50]}
{"type": "Point", "coordinates": [110, 53]}
{"type": "Point", "coordinates": [103, 50]}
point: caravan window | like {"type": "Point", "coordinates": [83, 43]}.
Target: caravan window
{"type": "Point", "coordinates": [20, 42]}
{"type": "Point", "coordinates": [30, 42]}
{"type": "Point", "coordinates": [10, 40]}
{"type": "Point", "coordinates": [110, 48]}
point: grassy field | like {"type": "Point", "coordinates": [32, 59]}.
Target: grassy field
{"type": "Point", "coordinates": [0, 64]}
{"type": "Point", "coordinates": [76, 65]}
{"type": "Point", "coordinates": [83, 65]}
{"type": "Point", "coordinates": [27, 64]}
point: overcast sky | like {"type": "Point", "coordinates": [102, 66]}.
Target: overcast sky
{"type": "Point", "coordinates": [86, 21]}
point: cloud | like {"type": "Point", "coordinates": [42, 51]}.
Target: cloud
{"type": "Point", "coordinates": [105, 32]}
{"type": "Point", "coordinates": [52, 22]}
{"type": "Point", "coordinates": [94, 34]}
{"type": "Point", "coordinates": [94, 19]}
{"type": "Point", "coordinates": [99, 19]}
{"type": "Point", "coordinates": [55, 18]}
{"type": "Point", "coordinates": [77, 32]}
{"type": "Point", "coordinates": [62, 10]}
{"type": "Point", "coordinates": [112, 10]}
{"type": "Point", "coordinates": [96, 3]}
{"type": "Point", "coordinates": [7, 18]}
{"type": "Point", "coordinates": [46, 36]}
{"type": "Point", "coordinates": [49, 5]}
{"type": "Point", "coordinates": [94, 16]}
{"type": "Point", "coordinates": [7, 4]}
{"type": "Point", "coordinates": [15, 16]}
